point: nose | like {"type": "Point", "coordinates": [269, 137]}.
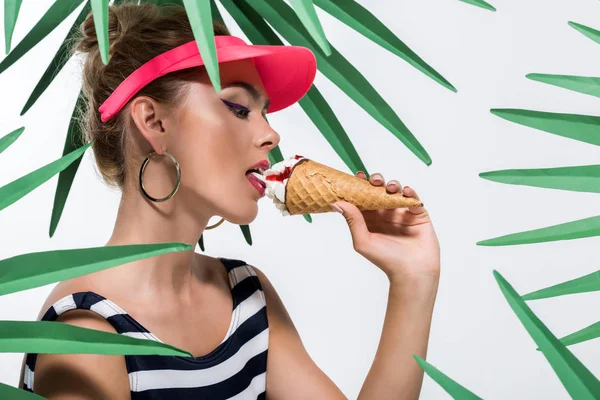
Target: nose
{"type": "Point", "coordinates": [268, 139]}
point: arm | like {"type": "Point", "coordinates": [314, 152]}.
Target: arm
{"type": "Point", "coordinates": [81, 376]}
{"type": "Point", "coordinates": [395, 374]}
{"type": "Point", "coordinates": [403, 244]}
{"type": "Point", "coordinates": [292, 374]}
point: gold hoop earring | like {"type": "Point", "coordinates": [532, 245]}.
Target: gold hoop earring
{"type": "Point", "coordinates": [146, 160]}
{"type": "Point", "coordinates": [215, 225]}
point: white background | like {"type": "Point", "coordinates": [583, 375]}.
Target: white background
{"type": "Point", "coordinates": [336, 298]}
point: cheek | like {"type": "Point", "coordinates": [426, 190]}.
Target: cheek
{"type": "Point", "coordinates": [211, 152]}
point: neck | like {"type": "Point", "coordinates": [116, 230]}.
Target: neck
{"type": "Point", "coordinates": [142, 222]}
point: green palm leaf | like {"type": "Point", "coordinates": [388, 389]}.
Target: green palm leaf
{"type": "Point", "coordinates": [201, 242]}
{"type": "Point", "coordinates": [27, 271]}
{"type": "Point", "coordinates": [585, 178]}
{"type": "Point", "coordinates": [199, 14]}
{"type": "Point", "coordinates": [305, 10]}
{"type": "Point", "coordinates": [51, 337]}
{"type": "Point", "coordinates": [582, 228]}
{"type": "Point", "coordinates": [585, 128]}
{"type": "Point", "coordinates": [58, 62]}
{"type": "Point", "coordinates": [251, 23]}
{"type": "Point", "coordinates": [313, 103]}
{"type": "Point", "coordinates": [9, 139]}
{"type": "Point", "coordinates": [454, 389]}
{"type": "Point", "coordinates": [480, 3]}
{"type": "Point", "coordinates": [245, 231]}
{"type": "Point", "coordinates": [363, 21]}
{"type": "Point", "coordinates": [575, 377]}
{"type": "Point", "coordinates": [587, 31]}
{"type": "Point", "coordinates": [583, 284]}
{"type": "Point", "coordinates": [583, 335]}
{"type": "Point", "coordinates": [12, 393]}
{"type": "Point", "coordinates": [100, 11]}
{"type": "Point", "coordinates": [321, 114]}
{"type": "Point", "coordinates": [275, 155]}
{"type": "Point", "coordinates": [22, 186]}
{"type": "Point", "coordinates": [340, 71]}
{"type": "Point", "coordinates": [582, 84]}
{"type": "Point", "coordinates": [216, 14]}
{"type": "Point", "coordinates": [57, 13]}
{"type": "Point", "coordinates": [11, 13]}
{"type": "Point", "coordinates": [247, 235]}
{"type": "Point", "coordinates": [66, 176]}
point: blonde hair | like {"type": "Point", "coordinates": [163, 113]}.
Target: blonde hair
{"type": "Point", "coordinates": [137, 33]}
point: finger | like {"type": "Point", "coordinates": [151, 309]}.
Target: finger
{"type": "Point", "coordinates": [361, 175]}
{"type": "Point", "coordinates": [410, 192]}
{"type": "Point", "coordinates": [393, 186]}
{"type": "Point", "coordinates": [356, 224]}
{"type": "Point", "coordinates": [376, 179]}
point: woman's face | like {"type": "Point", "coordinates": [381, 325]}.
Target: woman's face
{"type": "Point", "coordinates": [217, 138]}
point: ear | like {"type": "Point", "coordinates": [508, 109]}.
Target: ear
{"type": "Point", "coordinates": [148, 116]}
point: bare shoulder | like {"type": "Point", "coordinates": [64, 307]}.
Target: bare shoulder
{"type": "Point", "coordinates": [278, 316]}
{"type": "Point", "coordinates": [81, 376]}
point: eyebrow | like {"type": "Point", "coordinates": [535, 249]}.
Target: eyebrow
{"type": "Point", "coordinates": [250, 89]}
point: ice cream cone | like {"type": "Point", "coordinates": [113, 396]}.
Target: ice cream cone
{"type": "Point", "coordinates": [312, 188]}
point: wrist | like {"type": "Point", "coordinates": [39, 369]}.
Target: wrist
{"type": "Point", "coordinates": [415, 289]}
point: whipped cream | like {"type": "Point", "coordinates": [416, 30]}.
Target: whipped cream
{"type": "Point", "coordinates": [275, 178]}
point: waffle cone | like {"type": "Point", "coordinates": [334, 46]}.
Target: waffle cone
{"type": "Point", "coordinates": [313, 187]}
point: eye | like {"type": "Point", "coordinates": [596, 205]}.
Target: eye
{"type": "Point", "coordinates": [239, 110]}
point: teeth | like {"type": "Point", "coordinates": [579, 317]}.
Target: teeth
{"type": "Point", "coordinates": [257, 170]}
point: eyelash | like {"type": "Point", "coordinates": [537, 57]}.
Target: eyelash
{"type": "Point", "coordinates": [238, 110]}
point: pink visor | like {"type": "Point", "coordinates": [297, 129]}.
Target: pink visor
{"type": "Point", "coordinates": [287, 72]}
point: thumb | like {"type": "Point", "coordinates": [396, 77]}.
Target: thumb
{"type": "Point", "coordinates": [356, 222]}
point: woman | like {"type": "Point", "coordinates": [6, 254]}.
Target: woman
{"type": "Point", "coordinates": [180, 153]}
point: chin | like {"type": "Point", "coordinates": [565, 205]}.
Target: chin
{"type": "Point", "coordinates": [243, 216]}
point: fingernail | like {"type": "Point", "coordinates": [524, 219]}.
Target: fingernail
{"type": "Point", "coordinates": [377, 179]}
{"type": "Point", "coordinates": [337, 208]}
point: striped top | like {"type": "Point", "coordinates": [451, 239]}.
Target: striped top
{"type": "Point", "coordinates": [235, 369]}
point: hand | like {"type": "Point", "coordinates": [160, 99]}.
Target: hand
{"type": "Point", "coordinates": [400, 241]}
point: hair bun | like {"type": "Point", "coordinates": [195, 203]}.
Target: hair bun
{"type": "Point", "coordinates": [88, 41]}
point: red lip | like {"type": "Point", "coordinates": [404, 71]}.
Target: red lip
{"type": "Point", "coordinates": [257, 183]}
{"type": "Point", "coordinates": [264, 164]}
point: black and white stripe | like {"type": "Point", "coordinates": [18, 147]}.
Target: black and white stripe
{"type": "Point", "coordinates": [236, 369]}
